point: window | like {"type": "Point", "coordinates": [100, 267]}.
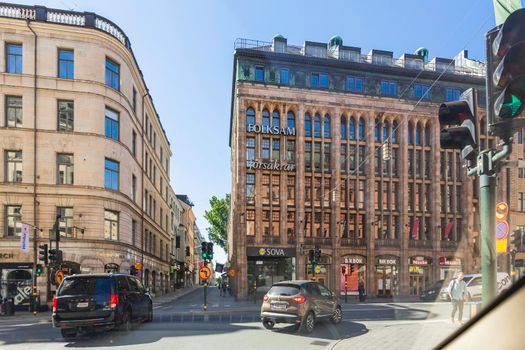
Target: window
{"type": "Point", "coordinates": [452, 94]}
{"type": "Point", "coordinates": [13, 220]}
{"type": "Point", "coordinates": [326, 127]}
{"type": "Point", "coordinates": [13, 111]}
{"type": "Point", "coordinates": [134, 143]}
{"type": "Point", "coordinates": [250, 148]}
{"type": "Point", "coordinates": [326, 160]}
{"type": "Point", "coordinates": [13, 58]}
{"type": "Point", "coordinates": [259, 73]}
{"type": "Point", "coordinates": [521, 201]}
{"type": "Point", "coordinates": [284, 76]}
{"type": "Point", "coordinates": [265, 152]}
{"type": "Point", "coordinates": [354, 84]}
{"type": "Point", "coordinates": [111, 225]}
{"type": "Point", "coordinates": [161, 154]}
{"type": "Point", "coordinates": [421, 91]}
{"type": "Point", "coordinates": [111, 175]}
{"type": "Point", "coordinates": [317, 126]}
{"type": "Point", "coordinates": [66, 64]}
{"type": "Point", "coordinates": [308, 156]}
{"type": "Point", "coordinates": [276, 145]}
{"type": "Point", "coordinates": [382, 59]}
{"type": "Point", "coordinates": [65, 169]}
{"type": "Point", "coordinates": [65, 222]}
{"type": "Point", "coordinates": [13, 166]}
{"type": "Point", "coordinates": [290, 152]}
{"type": "Point", "coordinates": [250, 222]}
{"type": "Point", "coordinates": [266, 118]}
{"type": "Point", "coordinates": [133, 188]}
{"type": "Point", "coordinates": [351, 129]}
{"type": "Point", "coordinates": [276, 119]}
{"type": "Point", "coordinates": [317, 156]}
{"type": "Point", "coordinates": [388, 88]}
{"type": "Point", "coordinates": [112, 124]}
{"type": "Point", "coordinates": [394, 132]}
{"type": "Point", "coordinates": [290, 190]}
{"type": "Point", "coordinates": [112, 74]}
{"type": "Point", "coordinates": [291, 120]}
{"type": "Point", "coordinates": [410, 134]}
{"type": "Point", "coordinates": [134, 100]}
{"type": "Point", "coordinates": [361, 129]}
{"type": "Point", "coordinates": [250, 188]}
{"type": "Point", "coordinates": [250, 117]}
{"type": "Point", "coordinates": [65, 115]}
{"type": "Point", "coordinates": [376, 131]}
{"type": "Point", "coordinates": [319, 80]}
{"type": "Point", "coordinates": [344, 159]}
{"type": "Point", "coordinates": [307, 125]}
{"type": "Point", "coordinates": [342, 131]}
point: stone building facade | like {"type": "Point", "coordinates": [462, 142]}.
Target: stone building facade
{"type": "Point", "coordinates": [80, 139]}
{"type": "Point", "coordinates": [340, 150]}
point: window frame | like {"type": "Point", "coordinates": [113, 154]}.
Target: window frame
{"type": "Point", "coordinates": [67, 165]}
{"type": "Point", "coordinates": [112, 74]}
{"type": "Point", "coordinates": [111, 220]}
{"type": "Point", "coordinates": [16, 108]}
{"type": "Point", "coordinates": [17, 228]}
{"type": "Point", "coordinates": [112, 122]}
{"type": "Point", "coordinates": [287, 75]}
{"type": "Point", "coordinates": [68, 128]}
{"type": "Point", "coordinates": [111, 172]}
{"type": "Point", "coordinates": [64, 218]}
{"type": "Point", "coordinates": [18, 69]}
{"type": "Point", "coordinates": [67, 61]}
{"type": "Point", "coordinates": [6, 166]}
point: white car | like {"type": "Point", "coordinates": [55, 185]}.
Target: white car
{"type": "Point", "coordinates": [473, 282]}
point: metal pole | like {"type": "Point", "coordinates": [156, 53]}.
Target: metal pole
{"type": "Point", "coordinates": [346, 291]}
{"type": "Point", "coordinates": [205, 296]}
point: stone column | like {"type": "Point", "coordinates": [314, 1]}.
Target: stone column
{"type": "Point", "coordinates": [403, 188]}
{"type": "Point", "coordinates": [335, 197]}
{"type": "Point", "coordinates": [300, 263]}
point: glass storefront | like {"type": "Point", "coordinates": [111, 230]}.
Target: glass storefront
{"type": "Point", "coordinates": [387, 283]}
{"type": "Point", "coordinates": [419, 271]}
{"type": "Point", "coordinates": [16, 281]}
{"type": "Point", "coordinates": [352, 271]}
{"type": "Point", "coordinates": [449, 267]}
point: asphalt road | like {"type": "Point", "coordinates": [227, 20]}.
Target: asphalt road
{"type": "Point", "coordinates": [228, 325]}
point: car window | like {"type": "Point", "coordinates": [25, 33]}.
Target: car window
{"type": "Point", "coordinates": [140, 285]}
{"type": "Point", "coordinates": [475, 282]}
{"type": "Point", "coordinates": [324, 292]}
{"type": "Point", "coordinates": [85, 286]}
{"type": "Point", "coordinates": [284, 290]}
{"type": "Point", "coordinates": [133, 286]}
{"type": "Point", "coordinates": [122, 284]}
{"type": "Point", "coordinates": [312, 289]}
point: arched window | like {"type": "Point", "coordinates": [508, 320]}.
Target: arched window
{"type": "Point", "coordinates": [376, 130]}
{"type": "Point", "coordinates": [394, 133]}
{"type": "Point", "coordinates": [385, 130]}
{"type": "Point", "coordinates": [276, 119]}
{"type": "Point", "coordinates": [410, 134]}
{"type": "Point", "coordinates": [291, 120]}
{"type": "Point", "coordinates": [351, 129]}
{"type": "Point", "coordinates": [317, 125]}
{"type": "Point", "coordinates": [418, 135]}
{"type": "Point", "coordinates": [307, 125]}
{"type": "Point", "coordinates": [427, 135]}
{"type": "Point", "coordinates": [361, 129]}
{"type": "Point", "coordinates": [343, 127]}
{"type": "Point", "coordinates": [250, 117]}
{"type": "Point", "coordinates": [326, 127]}
{"type": "Point", "coordinates": [266, 118]}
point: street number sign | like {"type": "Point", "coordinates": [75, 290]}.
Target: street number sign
{"type": "Point", "coordinates": [59, 276]}
{"type": "Point", "coordinates": [502, 230]}
{"type": "Point", "coordinates": [204, 273]}
{"type": "Point", "coordinates": [231, 273]}
{"type": "Point", "coordinates": [502, 210]}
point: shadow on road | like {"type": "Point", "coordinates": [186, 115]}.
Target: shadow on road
{"type": "Point", "coordinates": [329, 331]}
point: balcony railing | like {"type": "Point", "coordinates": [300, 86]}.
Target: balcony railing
{"type": "Point", "coordinates": [271, 239]}
{"type": "Point", "coordinates": [449, 245]}
{"type": "Point", "coordinates": [387, 243]}
{"type": "Point", "coordinates": [317, 240]}
{"type": "Point", "coordinates": [423, 243]}
{"type": "Point", "coordinates": [353, 242]}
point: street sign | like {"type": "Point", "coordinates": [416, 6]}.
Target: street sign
{"type": "Point", "coordinates": [59, 276]}
{"type": "Point", "coordinates": [138, 265]}
{"type": "Point", "coordinates": [501, 246]}
{"type": "Point", "coordinates": [502, 210]}
{"type": "Point", "coordinates": [317, 269]}
{"type": "Point", "coordinates": [231, 273]}
{"type": "Point", "coordinates": [204, 273]}
{"type": "Point", "coordinates": [502, 230]}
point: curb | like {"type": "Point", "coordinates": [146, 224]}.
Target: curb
{"type": "Point", "coordinates": [213, 313]}
{"type": "Point", "coordinates": [164, 299]}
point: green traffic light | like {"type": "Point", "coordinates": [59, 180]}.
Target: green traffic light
{"type": "Point", "coordinates": [514, 105]}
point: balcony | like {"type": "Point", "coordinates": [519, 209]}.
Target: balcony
{"type": "Point", "coordinates": [353, 242]}
{"type": "Point", "coordinates": [318, 241]}
{"type": "Point", "coordinates": [423, 243]}
{"type": "Point", "coordinates": [271, 239]}
{"type": "Point", "coordinates": [451, 245]}
{"type": "Point", "coordinates": [387, 243]}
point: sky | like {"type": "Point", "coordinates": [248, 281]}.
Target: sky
{"type": "Point", "coordinates": [185, 51]}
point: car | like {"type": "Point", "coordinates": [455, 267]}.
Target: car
{"type": "Point", "coordinates": [100, 301]}
{"type": "Point", "coordinates": [301, 303]}
{"type": "Point", "coordinates": [432, 294]}
{"type": "Point", "coordinates": [473, 282]}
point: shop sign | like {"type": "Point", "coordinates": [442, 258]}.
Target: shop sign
{"type": "Point", "coordinates": [271, 130]}
{"type": "Point", "coordinates": [387, 260]}
{"type": "Point", "coordinates": [7, 256]}
{"type": "Point", "coordinates": [449, 261]}
{"type": "Point", "coordinates": [419, 260]}
{"type": "Point", "coordinates": [355, 259]}
{"type": "Point", "coordinates": [255, 164]}
{"type": "Point", "coordinates": [270, 252]}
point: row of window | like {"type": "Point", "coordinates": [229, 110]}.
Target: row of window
{"type": "Point", "coordinates": [355, 84]}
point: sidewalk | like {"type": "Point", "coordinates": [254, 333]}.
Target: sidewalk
{"type": "Point", "coordinates": [172, 296]}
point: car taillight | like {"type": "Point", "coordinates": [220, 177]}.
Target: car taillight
{"type": "Point", "coordinates": [55, 300]}
{"type": "Point", "coordinates": [113, 301]}
{"type": "Point", "coordinates": [299, 299]}
{"type": "Point", "coordinates": [266, 297]}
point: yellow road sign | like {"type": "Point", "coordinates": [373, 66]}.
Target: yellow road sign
{"type": "Point", "coordinates": [204, 273]}
{"type": "Point", "coordinates": [59, 276]}
{"type": "Point", "coordinates": [231, 272]}
{"type": "Point", "coordinates": [501, 246]}
{"type": "Point", "coordinates": [502, 210]}
{"type": "Point", "coordinates": [317, 269]}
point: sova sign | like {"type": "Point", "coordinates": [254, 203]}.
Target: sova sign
{"type": "Point", "coordinates": [271, 252]}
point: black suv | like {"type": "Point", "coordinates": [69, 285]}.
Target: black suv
{"type": "Point", "coordinates": [85, 302]}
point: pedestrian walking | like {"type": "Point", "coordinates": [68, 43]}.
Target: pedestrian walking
{"type": "Point", "coordinates": [223, 289]}
{"type": "Point", "coordinates": [457, 291]}
{"type": "Point", "coordinates": [361, 290]}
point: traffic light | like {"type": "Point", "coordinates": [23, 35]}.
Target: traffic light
{"type": "Point", "coordinates": [311, 255]}
{"type": "Point", "coordinates": [462, 115]}
{"type": "Point", "coordinates": [39, 269]}
{"type": "Point", "coordinates": [506, 75]}
{"type": "Point", "coordinates": [55, 256]}
{"type": "Point", "coordinates": [516, 238]}
{"type": "Point", "coordinates": [351, 269]}
{"type": "Point", "coordinates": [204, 250]}
{"type": "Point", "coordinates": [317, 255]}
{"type": "Point", "coordinates": [42, 254]}
{"type": "Point", "coordinates": [210, 250]}
{"type": "Point", "coordinates": [343, 270]}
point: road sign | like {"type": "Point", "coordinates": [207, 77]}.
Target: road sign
{"type": "Point", "coordinates": [502, 210]}
{"type": "Point", "coordinates": [138, 265]}
{"type": "Point", "coordinates": [204, 273]}
{"type": "Point", "coordinates": [317, 269]}
{"type": "Point", "coordinates": [231, 273]}
{"type": "Point", "coordinates": [59, 276]}
{"type": "Point", "coordinates": [502, 230]}
{"type": "Point", "coordinates": [501, 246]}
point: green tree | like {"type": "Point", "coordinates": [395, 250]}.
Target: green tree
{"type": "Point", "coordinates": [217, 217]}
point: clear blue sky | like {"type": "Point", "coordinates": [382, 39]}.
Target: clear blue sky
{"type": "Point", "coordinates": [185, 50]}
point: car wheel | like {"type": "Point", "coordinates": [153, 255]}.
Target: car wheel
{"type": "Point", "coordinates": [337, 317]}
{"type": "Point", "coordinates": [125, 324]}
{"type": "Point", "coordinates": [149, 318]}
{"type": "Point", "coordinates": [308, 323]}
{"type": "Point", "coordinates": [68, 333]}
{"type": "Point", "coordinates": [268, 324]}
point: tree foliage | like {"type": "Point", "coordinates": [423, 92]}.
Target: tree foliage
{"type": "Point", "coordinates": [217, 217]}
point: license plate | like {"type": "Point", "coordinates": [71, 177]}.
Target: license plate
{"type": "Point", "coordinates": [83, 304]}
{"type": "Point", "coordinates": [278, 306]}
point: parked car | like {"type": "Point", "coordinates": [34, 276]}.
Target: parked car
{"type": "Point", "coordinates": [101, 301]}
{"type": "Point", "coordinates": [302, 303]}
{"type": "Point", "coordinates": [432, 294]}
{"type": "Point", "coordinates": [473, 282]}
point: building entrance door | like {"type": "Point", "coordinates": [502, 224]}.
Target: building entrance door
{"type": "Point", "coordinates": [416, 284]}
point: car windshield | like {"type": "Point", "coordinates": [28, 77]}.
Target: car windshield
{"type": "Point", "coordinates": [85, 286]}
{"type": "Point", "coordinates": [284, 290]}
